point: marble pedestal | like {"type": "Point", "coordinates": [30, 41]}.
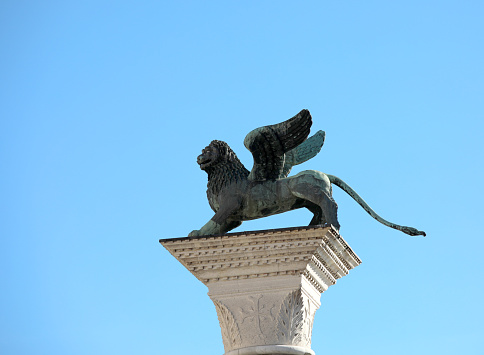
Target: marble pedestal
{"type": "Point", "coordinates": [266, 285]}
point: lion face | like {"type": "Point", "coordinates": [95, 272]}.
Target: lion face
{"type": "Point", "coordinates": [209, 157]}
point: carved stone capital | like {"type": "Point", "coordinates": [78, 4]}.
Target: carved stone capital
{"type": "Point", "coordinates": [266, 285]}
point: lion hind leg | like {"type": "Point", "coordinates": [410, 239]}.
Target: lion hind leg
{"type": "Point", "coordinates": [318, 217]}
{"type": "Point", "coordinates": [327, 211]}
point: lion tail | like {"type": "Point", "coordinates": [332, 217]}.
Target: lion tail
{"type": "Point", "coordinates": [346, 188]}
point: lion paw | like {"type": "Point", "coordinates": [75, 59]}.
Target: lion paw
{"type": "Point", "coordinates": [194, 233]}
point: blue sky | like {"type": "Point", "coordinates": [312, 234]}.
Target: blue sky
{"type": "Point", "coordinates": [104, 106]}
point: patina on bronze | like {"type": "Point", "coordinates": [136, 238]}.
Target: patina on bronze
{"type": "Point", "coordinates": [237, 195]}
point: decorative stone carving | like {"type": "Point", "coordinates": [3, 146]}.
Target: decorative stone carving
{"type": "Point", "coordinates": [266, 285]}
{"type": "Point", "coordinates": [230, 330]}
{"type": "Point", "coordinates": [291, 319]}
{"type": "Point", "coordinates": [257, 313]}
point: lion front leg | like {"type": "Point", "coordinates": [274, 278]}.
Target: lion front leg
{"type": "Point", "coordinates": [223, 220]}
{"type": "Point", "coordinates": [208, 229]}
{"type": "Point", "coordinates": [212, 227]}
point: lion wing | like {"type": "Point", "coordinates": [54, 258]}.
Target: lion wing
{"type": "Point", "coordinates": [303, 152]}
{"type": "Point", "coordinates": [269, 144]}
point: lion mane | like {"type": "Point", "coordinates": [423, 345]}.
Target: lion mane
{"type": "Point", "coordinates": [226, 170]}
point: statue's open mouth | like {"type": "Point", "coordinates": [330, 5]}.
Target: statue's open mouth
{"type": "Point", "coordinates": [203, 161]}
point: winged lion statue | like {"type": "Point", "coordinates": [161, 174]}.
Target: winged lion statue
{"type": "Point", "coordinates": [237, 195]}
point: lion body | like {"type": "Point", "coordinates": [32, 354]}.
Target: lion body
{"type": "Point", "coordinates": [273, 197]}
{"type": "Point", "coordinates": [235, 198]}
{"type": "Point", "coordinates": [237, 195]}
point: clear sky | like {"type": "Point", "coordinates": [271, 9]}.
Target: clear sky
{"type": "Point", "coordinates": [104, 106]}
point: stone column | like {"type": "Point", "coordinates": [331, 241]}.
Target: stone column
{"type": "Point", "coordinates": [266, 285]}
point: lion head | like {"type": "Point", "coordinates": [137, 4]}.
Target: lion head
{"type": "Point", "coordinates": [217, 152]}
{"type": "Point", "coordinates": [223, 167]}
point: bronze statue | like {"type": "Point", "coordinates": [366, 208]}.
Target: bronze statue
{"type": "Point", "coordinates": [237, 195]}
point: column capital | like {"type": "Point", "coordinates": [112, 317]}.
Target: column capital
{"type": "Point", "coordinates": [266, 285]}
